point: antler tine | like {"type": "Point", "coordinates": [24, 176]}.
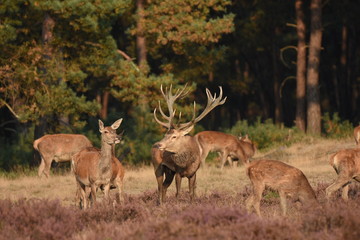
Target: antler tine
{"type": "Point", "coordinates": [211, 104]}
{"type": "Point", "coordinates": [167, 125]}
{"type": "Point", "coordinates": [170, 99]}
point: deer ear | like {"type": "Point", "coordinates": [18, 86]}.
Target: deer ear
{"type": "Point", "coordinates": [101, 126]}
{"type": "Point", "coordinates": [116, 124]}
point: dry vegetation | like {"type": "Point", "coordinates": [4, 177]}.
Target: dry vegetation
{"type": "Point", "coordinates": [33, 208]}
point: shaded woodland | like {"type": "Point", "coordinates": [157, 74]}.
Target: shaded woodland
{"type": "Point", "coordinates": [66, 63]}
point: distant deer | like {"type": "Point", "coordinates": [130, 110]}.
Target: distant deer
{"type": "Point", "coordinates": [346, 163]}
{"type": "Point", "coordinates": [59, 148]}
{"type": "Point", "coordinates": [287, 180]}
{"type": "Point", "coordinates": [93, 167]}
{"type": "Point", "coordinates": [357, 135]}
{"type": "Point", "coordinates": [228, 146]}
{"type": "Point", "coordinates": [182, 151]}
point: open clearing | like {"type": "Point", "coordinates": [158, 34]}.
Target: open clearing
{"type": "Point", "coordinates": [311, 158]}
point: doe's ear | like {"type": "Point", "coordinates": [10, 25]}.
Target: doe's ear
{"type": "Point", "coordinates": [116, 124]}
{"type": "Point", "coordinates": [101, 126]}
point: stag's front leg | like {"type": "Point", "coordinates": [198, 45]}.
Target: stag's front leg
{"type": "Point", "coordinates": [169, 177]}
{"type": "Point", "coordinates": [192, 186]}
{"type": "Point", "coordinates": [178, 184]}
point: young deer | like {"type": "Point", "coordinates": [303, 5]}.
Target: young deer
{"type": "Point", "coordinates": [357, 135]}
{"type": "Point", "coordinates": [59, 148]}
{"type": "Point", "coordinates": [287, 180]}
{"type": "Point", "coordinates": [181, 152]}
{"type": "Point", "coordinates": [346, 163]}
{"type": "Point", "coordinates": [93, 167]}
{"type": "Point", "coordinates": [248, 147]}
{"type": "Point", "coordinates": [227, 145]}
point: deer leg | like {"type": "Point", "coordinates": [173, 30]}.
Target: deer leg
{"type": "Point", "coordinates": [223, 158]}
{"type": "Point", "coordinates": [235, 163]}
{"type": "Point", "coordinates": [339, 182]}
{"type": "Point", "coordinates": [258, 190]}
{"type": "Point", "coordinates": [93, 194]}
{"type": "Point", "coordinates": [178, 184]}
{"type": "Point", "coordinates": [283, 202]}
{"type": "Point", "coordinates": [192, 186]}
{"type": "Point", "coordinates": [119, 184]}
{"type": "Point", "coordinates": [345, 192]}
{"type": "Point", "coordinates": [169, 177]}
{"type": "Point", "coordinates": [159, 174]}
{"type": "Point", "coordinates": [204, 154]}
{"type": "Point", "coordinates": [106, 192]}
{"type": "Point", "coordinates": [41, 167]}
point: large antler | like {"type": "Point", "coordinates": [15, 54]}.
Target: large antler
{"type": "Point", "coordinates": [212, 102]}
{"type": "Point", "coordinates": [170, 99]}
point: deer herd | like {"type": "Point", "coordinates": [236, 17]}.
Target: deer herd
{"type": "Point", "coordinates": [178, 155]}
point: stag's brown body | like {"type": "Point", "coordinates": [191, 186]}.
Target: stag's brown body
{"type": "Point", "coordinates": [179, 153]}
{"type": "Point", "coordinates": [93, 168]}
{"type": "Point", "coordinates": [357, 135]}
{"type": "Point", "coordinates": [286, 179]}
{"type": "Point", "coordinates": [59, 148]}
{"type": "Point", "coordinates": [346, 163]}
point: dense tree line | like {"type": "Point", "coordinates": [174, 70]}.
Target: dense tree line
{"type": "Point", "coordinates": [65, 63]}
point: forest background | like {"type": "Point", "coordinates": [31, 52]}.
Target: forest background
{"type": "Point", "coordinates": [288, 68]}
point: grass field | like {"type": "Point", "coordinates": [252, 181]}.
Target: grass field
{"type": "Point", "coordinates": [220, 192]}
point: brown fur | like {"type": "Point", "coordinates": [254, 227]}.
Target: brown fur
{"type": "Point", "coordinates": [59, 148]}
{"type": "Point", "coordinates": [357, 135]}
{"type": "Point", "coordinates": [287, 180]}
{"type": "Point", "coordinates": [346, 163]}
{"type": "Point", "coordinates": [93, 168]}
{"type": "Point", "coordinates": [228, 146]}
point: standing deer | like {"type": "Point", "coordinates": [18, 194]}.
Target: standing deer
{"type": "Point", "coordinates": [346, 163]}
{"type": "Point", "coordinates": [58, 147]}
{"type": "Point", "coordinates": [357, 135]}
{"type": "Point", "coordinates": [116, 181]}
{"type": "Point", "coordinates": [181, 151]}
{"type": "Point", "coordinates": [287, 180]}
{"type": "Point", "coordinates": [93, 167]}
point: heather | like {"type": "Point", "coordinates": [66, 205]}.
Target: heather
{"type": "Point", "coordinates": [215, 216]}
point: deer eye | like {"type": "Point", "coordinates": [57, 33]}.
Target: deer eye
{"type": "Point", "coordinates": [173, 137]}
{"type": "Point", "coordinates": [106, 131]}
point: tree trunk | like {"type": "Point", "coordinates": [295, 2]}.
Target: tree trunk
{"type": "Point", "coordinates": [300, 67]}
{"type": "Point", "coordinates": [47, 36]}
{"type": "Point", "coordinates": [277, 98]}
{"type": "Point", "coordinates": [140, 39]}
{"type": "Point", "coordinates": [104, 105]}
{"type": "Point", "coordinates": [313, 93]}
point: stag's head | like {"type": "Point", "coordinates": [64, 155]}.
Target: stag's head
{"type": "Point", "coordinates": [175, 138]}
{"type": "Point", "coordinates": [108, 134]}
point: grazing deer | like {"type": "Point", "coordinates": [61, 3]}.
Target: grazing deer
{"type": "Point", "coordinates": [357, 135]}
{"type": "Point", "coordinates": [227, 145]}
{"type": "Point", "coordinates": [93, 167]}
{"type": "Point", "coordinates": [287, 180]}
{"type": "Point", "coordinates": [248, 147]}
{"type": "Point", "coordinates": [59, 148]}
{"type": "Point", "coordinates": [346, 163]}
{"type": "Point", "coordinates": [181, 150]}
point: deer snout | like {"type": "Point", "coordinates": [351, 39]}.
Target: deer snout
{"type": "Point", "coordinates": [158, 145]}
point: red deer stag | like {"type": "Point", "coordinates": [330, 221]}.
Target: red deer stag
{"type": "Point", "coordinates": [181, 151]}
{"type": "Point", "coordinates": [357, 135]}
{"type": "Point", "coordinates": [59, 148]}
{"type": "Point", "coordinates": [346, 163]}
{"type": "Point", "coordinates": [287, 180]}
{"type": "Point", "coordinates": [93, 167]}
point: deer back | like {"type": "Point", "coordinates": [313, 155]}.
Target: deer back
{"type": "Point", "coordinates": [216, 141]}
{"type": "Point", "coordinates": [61, 145]}
{"type": "Point", "coordinates": [346, 162]}
{"type": "Point", "coordinates": [281, 177]}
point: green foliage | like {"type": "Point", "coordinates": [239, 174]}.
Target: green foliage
{"type": "Point", "coordinates": [334, 127]}
{"type": "Point", "coordinates": [266, 134]}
